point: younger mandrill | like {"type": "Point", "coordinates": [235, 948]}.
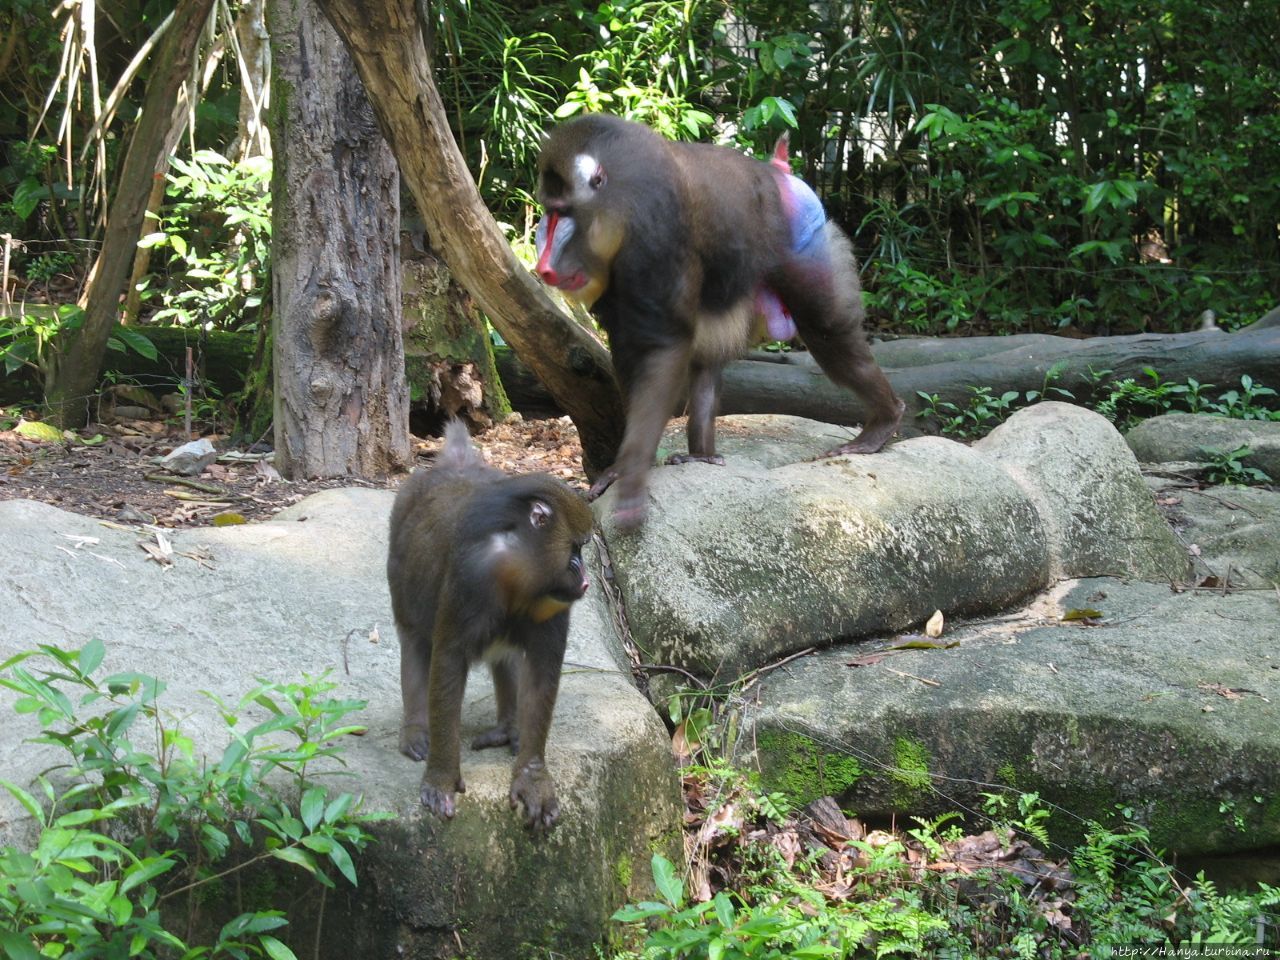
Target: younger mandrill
{"type": "Point", "coordinates": [483, 566]}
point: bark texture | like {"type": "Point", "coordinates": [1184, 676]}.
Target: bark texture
{"type": "Point", "coordinates": [74, 372]}
{"type": "Point", "coordinates": [386, 42]}
{"type": "Point", "coordinates": [448, 356]}
{"type": "Point", "coordinates": [341, 402]}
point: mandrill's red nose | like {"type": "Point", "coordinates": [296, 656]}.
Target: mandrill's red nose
{"type": "Point", "coordinates": [546, 244]}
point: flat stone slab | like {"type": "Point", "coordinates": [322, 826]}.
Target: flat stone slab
{"type": "Point", "coordinates": [1170, 705]}
{"type": "Point", "coordinates": [306, 593]}
{"type": "Point", "coordinates": [1233, 533]}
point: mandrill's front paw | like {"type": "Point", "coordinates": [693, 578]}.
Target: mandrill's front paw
{"type": "Point", "coordinates": [532, 788]}
{"type": "Point", "coordinates": [437, 794]}
{"type": "Point", "coordinates": [603, 483]}
{"type": "Point", "coordinates": [413, 741]}
{"type": "Point", "coordinates": [631, 504]}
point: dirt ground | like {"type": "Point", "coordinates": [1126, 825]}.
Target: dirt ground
{"type": "Point", "coordinates": [115, 475]}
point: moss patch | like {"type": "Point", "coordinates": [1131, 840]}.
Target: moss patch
{"type": "Point", "coordinates": [622, 872]}
{"type": "Point", "coordinates": [801, 769]}
{"type": "Point", "coordinates": [911, 769]}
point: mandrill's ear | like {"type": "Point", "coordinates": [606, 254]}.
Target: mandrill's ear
{"type": "Point", "coordinates": [540, 514]}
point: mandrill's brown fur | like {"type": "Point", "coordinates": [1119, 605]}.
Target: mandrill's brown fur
{"type": "Point", "coordinates": [674, 247]}
{"type": "Point", "coordinates": [483, 565]}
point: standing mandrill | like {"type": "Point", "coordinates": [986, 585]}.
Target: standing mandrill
{"type": "Point", "coordinates": [483, 566]}
{"type": "Point", "coordinates": [679, 249]}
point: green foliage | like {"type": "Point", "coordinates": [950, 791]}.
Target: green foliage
{"type": "Point", "coordinates": [930, 834]}
{"type": "Point", "coordinates": [26, 340]}
{"type": "Point", "coordinates": [642, 66]}
{"type": "Point", "coordinates": [1226, 466]}
{"type": "Point", "coordinates": [919, 300]}
{"type": "Point", "coordinates": [25, 185]}
{"type": "Point", "coordinates": [704, 720]}
{"type": "Point", "coordinates": [511, 71]}
{"type": "Point", "coordinates": [1124, 402]}
{"type": "Point", "coordinates": [724, 927]}
{"type": "Point", "coordinates": [1122, 894]}
{"type": "Point", "coordinates": [216, 228]}
{"type": "Point", "coordinates": [127, 828]}
{"type": "Point", "coordinates": [1130, 400]}
{"type": "Point", "coordinates": [504, 75]}
{"type": "Point", "coordinates": [1129, 895]}
{"type": "Point", "coordinates": [979, 416]}
{"type": "Point", "coordinates": [1005, 163]}
{"type": "Point", "coordinates": [1243, 404]}
{"type": "Point", "coordinates": [48, 265]}
{"type": "Point", "coordinates": [1025, 815]}
{"type": "Point", "coordinates": [1043, 161]}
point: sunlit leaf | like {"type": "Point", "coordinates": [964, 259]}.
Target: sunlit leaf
{"type": "Point", "coordinates": [275, 949]}
{"type": "Point", "coordinates": [38, 431]}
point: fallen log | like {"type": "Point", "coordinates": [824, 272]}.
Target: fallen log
{"type": "Point", "coordinates": [1086, 368]}
{"type": "Point", "coordinates": [949, 367]}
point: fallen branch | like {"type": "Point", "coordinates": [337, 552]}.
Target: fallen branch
{"type": "Point", "coordinates": [159, 476]}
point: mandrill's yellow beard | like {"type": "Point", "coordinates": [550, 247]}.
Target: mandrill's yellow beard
{"type": "Point", "coordinates": [604, 240]}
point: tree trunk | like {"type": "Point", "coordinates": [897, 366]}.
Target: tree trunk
{"type": "Point", "coordinates": [448, 356]}
{"type": "Point", "coordinates": [74, 373]}
{"type": "Point", "coordinates": [386, 42]}
{"type": "Point", "coordinates": [341, 403]}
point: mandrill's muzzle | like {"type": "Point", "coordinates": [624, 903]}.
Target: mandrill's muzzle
{"type": "Point", "coordinates": [553, 233]}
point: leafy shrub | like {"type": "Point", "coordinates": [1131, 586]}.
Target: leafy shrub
{"type": "Point", "coordinates": [1112, 892]}
{"type": "Point", "coordinates": [136, 827]}
{"type": "Point", "coordinates": [216, 228]}
{"type": "Point", "coordinates": [1226, 466]}
{"type": "Point", "coordinates": [27, 338]}
{"type": "Point", "coordinates": [48, 265]}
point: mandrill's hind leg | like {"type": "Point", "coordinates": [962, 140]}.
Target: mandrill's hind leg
{"type": "Point", "coordinates": [826, 301]}
{"type": "Point", "coordinates": [504, 732]}
{"type": "Point", "coordinates": [704, 403]}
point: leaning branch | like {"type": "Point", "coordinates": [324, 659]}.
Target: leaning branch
{"type": "Point", "coordinates": [387, 45]}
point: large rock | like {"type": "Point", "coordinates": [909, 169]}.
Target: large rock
{"type": "Point", "coordinates": [774, 552]}
{"type": "Point", "coordinates": [1170, 706]}
{"type": "Point", "coordinates": [1085, 483]}
{"type": "Point", "coordinates": [307, 593]}
{"type": "Point", "coordinates": [745, 562]}
{"type": "Point", "coordinates": [1185, 436]}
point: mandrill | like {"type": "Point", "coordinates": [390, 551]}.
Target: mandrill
{"type": "Point", "coordinates": [483, 566]}
{"type": "Point", "coordinates": [679, 250]}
